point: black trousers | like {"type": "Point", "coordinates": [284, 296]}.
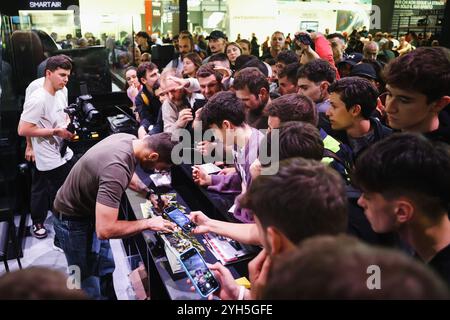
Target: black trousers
{"type": "Point", "coordinates": [44, 186]}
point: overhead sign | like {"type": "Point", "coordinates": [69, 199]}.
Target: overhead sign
{"type": "Point", "coordinates": [418, 4]}
{"type": "Point", "coordinates": [47, 4]}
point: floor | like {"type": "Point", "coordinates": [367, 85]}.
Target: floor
{"type": "Point", "coordinates": [40, 252]}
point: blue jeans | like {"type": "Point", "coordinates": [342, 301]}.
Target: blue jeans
{"type": "Point", "coordinates": [93, 256]}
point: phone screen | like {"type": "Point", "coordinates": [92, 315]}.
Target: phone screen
{"type": "Point", "coordinates": [179, 218]}
{"type": "Point", "coordinates": [199, 273]}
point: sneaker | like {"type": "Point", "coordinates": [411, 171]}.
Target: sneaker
{"type": "Point", "coordinates": [38, 230]}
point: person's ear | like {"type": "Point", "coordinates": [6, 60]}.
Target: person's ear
{"type": "Point", "coordinates": [263, 93]}
{"type": "Point", "coordinates": [324, 86]}
{"type": "Point", "coordinates": [404, 210]}
{"type": "Point", "coordinates": [355, 110]}
{"type": "Point", "coordinates": [153, 156]}
{"type": "Point", "coordinates": [143, 81]}
{"type": "Point", "coordinates": [441, 104]}
{"type": "Point", "coordinates": [227, 125]}
{"type": "Point", "coordinates": [275, 240]}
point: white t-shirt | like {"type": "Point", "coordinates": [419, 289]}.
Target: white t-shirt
{"type": "Point", "coordinates": [47, 111]}
{"type": "Point", "coordinates": [39, 83]}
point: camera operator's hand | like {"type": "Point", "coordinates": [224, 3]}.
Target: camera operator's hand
{"type": "Point", "coordinates": [201, 177]}
{"type": "Point", "coordinates": [29, 153]}
{"type": "Point", "coordinates": [63, 133]}
{"type": "Point", "coordinates": [184, 118]}
{"type": "Point", "coordinates": [202, 222]}
{"type": "Point", "coordinates": [160, 224]}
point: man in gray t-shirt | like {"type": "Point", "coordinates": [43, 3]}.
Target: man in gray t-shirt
{"type": "Point", "coordinates": [87, 204]}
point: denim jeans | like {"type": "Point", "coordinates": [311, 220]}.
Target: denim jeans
{"type": "Point", "coordinates": [93, 256]}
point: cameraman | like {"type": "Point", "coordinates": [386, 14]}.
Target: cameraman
{"type": "Point", "coordinates": [44, 121]}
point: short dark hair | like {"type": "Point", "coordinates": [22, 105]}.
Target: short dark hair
{"type": "Point", "coordinates": [356, 91]}
{"type": "Point", "coordinates": [290, 71]}
{"type": "Point", "coordinates": [163, 144]}
{"type": "Point", "coordinates": [281, 200]}
{"type": "Point", "coordinates": [223, 106]}
{"type": "Point", "coordinates": [143, 68]}
{"type": "Point", "coordinates": [317, 71]}
{"type": "Point", "coordinates": [143, 34]}
{"type": "Point", "coordinates": [270, 61]}
{"type": "Point", "coordinates": [287, 57]}
{"type": "Point", "coordinates": [59, 61]}
{"type": "Point", "coordinates": [242, 60]}
{"type": "Point", "coordinates": [296, 139]}
{"type": "Point", "coordinates": [293, 107]}
{"type": "Point", "coordinates": [207, 70]}
{"type": "Point", "coordinates": [255, 63]}
{"type": "Point", "coordinates": [326, 267]}
{"type": "Point", "coordinates": [218, 57]}
{"type": "Point", "coordinates": [425, 70]}
{"type": "Point", "coordinates": [410, 165]}
{"type": "Point", "coordinates": [336, 35]}
{"type": "Point", "coordinates": [251, 78]}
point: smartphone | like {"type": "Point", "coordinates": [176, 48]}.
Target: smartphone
{"type": "Point", "coordinates": [201, 277]}
{"type": "Point", "coordinates": [305, 39]}
{"type": "Point", "coordinates": [180, 219]}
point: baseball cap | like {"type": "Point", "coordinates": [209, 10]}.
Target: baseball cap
{"type": "Point", "coordinates": [216, 34]}
{"type": "Point", "coordinates": [363, 70]}
{"type": "Point", "coordinates": [352, 59]}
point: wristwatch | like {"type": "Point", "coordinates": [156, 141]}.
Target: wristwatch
{"type": "Point", "coordinates": [149, 193]}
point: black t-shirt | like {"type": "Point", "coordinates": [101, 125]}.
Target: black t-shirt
{"type": "Point", "coordinates": [441, 264]}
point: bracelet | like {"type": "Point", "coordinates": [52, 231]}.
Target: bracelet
{"type": "Point", "coordinates": [241, 293]}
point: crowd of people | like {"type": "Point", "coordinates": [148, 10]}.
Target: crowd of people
{"type": "Point", "coordinates": [361, 125]}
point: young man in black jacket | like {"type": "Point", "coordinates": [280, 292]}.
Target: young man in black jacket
{"type": "Point", "coordinates": [353, 100]}
{"type": "Point", "coordinates": [147, 104]}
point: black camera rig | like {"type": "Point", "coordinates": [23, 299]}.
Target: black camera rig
{"type": "Point", "coordinates": [85, 120]}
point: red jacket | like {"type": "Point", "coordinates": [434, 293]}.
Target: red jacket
{"type": "Point", "coordinates": [323, 49]}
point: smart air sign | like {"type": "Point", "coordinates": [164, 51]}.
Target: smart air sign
{"type": "Point", "coordinates": [47, 5]}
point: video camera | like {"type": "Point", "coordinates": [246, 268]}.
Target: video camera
{"type": "Point", "coordinates": [85, 121]}
{"type": "Point", "coordinates": [83, 115]}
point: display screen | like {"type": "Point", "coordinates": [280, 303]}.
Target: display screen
{"type": "Point", "coordinates": [198, 272]}
{"type": "Point", "coordinates": [179, 218]}
{"type": "Point", "coordinates": [90, 67]}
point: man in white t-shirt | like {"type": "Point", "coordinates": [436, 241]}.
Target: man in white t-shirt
{"type": "Point", "coordinates": [44, 121]}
